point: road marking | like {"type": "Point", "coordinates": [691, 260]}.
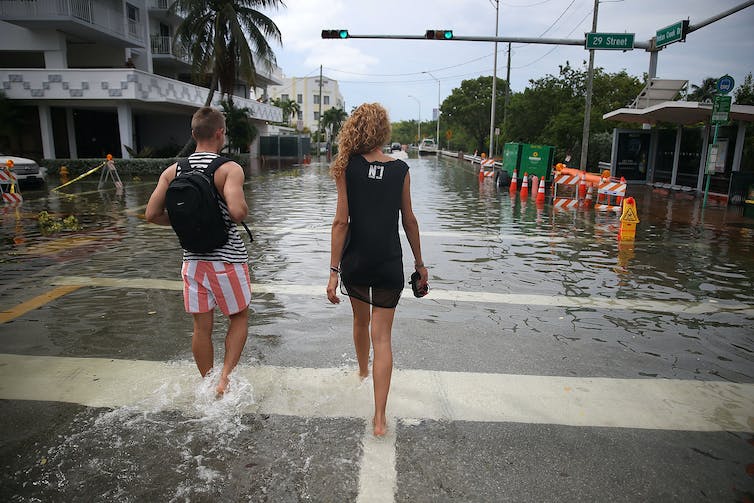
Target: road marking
{"type": "Point", "coordinates": [592, 302]}
{"type": "Point", "coordinates": [378, 478]}
{"type": "Point", "coordinates": [36, 302]}
{"type": "Point", "coordinates": [659, 404]}
{"type": "Point", "coordinates": [416, 395]}
{"type": "Point", "coordinates": [460, 235]}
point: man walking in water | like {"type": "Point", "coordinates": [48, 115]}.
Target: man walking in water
{"type": "Point", "coordinates": [219, 277]}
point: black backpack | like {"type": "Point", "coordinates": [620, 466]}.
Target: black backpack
{"type": "Point", "coordinates": [192, 203]}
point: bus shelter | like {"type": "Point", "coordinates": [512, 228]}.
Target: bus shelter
{"type": "Point", "coordinates": [671, 149]}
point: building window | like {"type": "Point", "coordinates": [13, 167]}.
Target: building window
{"type": "Point", "coordinates": [315, 99]}
{"type": "Point", "coordinates": [300, 114]}
{"type": "Point", "coordinates": [300, 99]}
{"type": "Point", "coordinates": [316, 116]}
{"type": "Point", "coordinates": [327, 100]}
{"type": "Point", "coordinates": [284, 97]}
{"type": "Point", "coordinates": [132, 13]}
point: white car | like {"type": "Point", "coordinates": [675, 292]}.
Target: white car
{"type": "Point", "coordinates": [27, 171]}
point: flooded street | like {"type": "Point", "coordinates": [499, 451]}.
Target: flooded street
{"type": "Point", "coordinates": [549, 361]}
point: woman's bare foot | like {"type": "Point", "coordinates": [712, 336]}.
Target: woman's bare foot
{"type": "Point", "coordinates": [222, 386]}
{"type": "Point", "coordinates": [363, 375]}
{"type": "Point", "coordinates": [380, 426]}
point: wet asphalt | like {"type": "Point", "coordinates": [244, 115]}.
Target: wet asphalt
{"type": "Point", "coordinates": [478, 240]}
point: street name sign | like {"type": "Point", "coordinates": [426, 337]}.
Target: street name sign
{"type": "Point", "coordinates": [614, 41]}
{"type": "Point", "coordinates": [676, 32]}
{"type": "Point", "coordinates": [721, 108]}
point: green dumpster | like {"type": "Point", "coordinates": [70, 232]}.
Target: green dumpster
{"type": "Point", "coordinates": [536, 160]}
{"type": "Point", "coordinates": [511, 156]}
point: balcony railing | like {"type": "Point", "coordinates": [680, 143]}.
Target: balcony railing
{"type": "Point", "coordinates": [161, 4]}
{"type": "Point", "coordinates": [91, 12]}
{"type": "Point", "coordinates": [162, 45]}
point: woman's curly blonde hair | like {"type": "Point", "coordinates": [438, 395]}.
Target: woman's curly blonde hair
{"type": "Point", "coordinates": [367, 128]}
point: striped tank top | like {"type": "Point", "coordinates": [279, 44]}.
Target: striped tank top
{"type": "Point", "coordinates": [234, 251]}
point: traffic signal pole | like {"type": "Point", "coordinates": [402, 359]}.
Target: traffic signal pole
{"type": "Point", "coordinates": [514, 40]}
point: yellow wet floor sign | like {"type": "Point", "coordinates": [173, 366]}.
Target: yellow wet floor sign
{"type": "Point", "coordinates": [628, 220]}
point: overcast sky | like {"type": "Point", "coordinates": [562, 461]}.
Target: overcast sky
{"type": "Point", "coordinates": [388, 71]}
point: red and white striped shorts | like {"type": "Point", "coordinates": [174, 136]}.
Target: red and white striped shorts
{"type": "Point", "coordinates": [209, 284]}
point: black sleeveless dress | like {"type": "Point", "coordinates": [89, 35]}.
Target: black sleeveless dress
{"type": "Point", "coordinates": [372, 262]}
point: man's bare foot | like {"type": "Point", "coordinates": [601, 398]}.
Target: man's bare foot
{"type": "Point", "coordinates": [222, 386]}
{"type": "Point", "coordinates": [363, 375]}
{"type": "Point", "coordinates": [380, 427]}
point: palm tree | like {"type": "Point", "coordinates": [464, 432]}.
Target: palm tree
{"type": "Point", "coordinates": [334, 117]}
{"type": "Point", "coordinates": [222, 37]}
{"type": "Point", "coordinates": [288, 107]}
{"type": "Point", "coordinates": [295, 108]}
{"type": "Point", "coordinates": [705, 92]}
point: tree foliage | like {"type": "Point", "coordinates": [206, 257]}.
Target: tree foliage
{"type": "Point", "coordinates": [223, 36]}
{"type": "Point", "coordinates": [334, 117]}
{"type": "Point", "coordinates": [744, 94]}
{"type": "Point", "coordinates": [288, 107]}
{"type": "Point", "coordinates": [239, 127]}
{"type": "Point", "coordinates": [705, 92]}
{"type": "Point", "coordinates": [468, 108]}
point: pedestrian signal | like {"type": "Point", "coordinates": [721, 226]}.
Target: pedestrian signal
{"type": "Point", "coordinates": [334, 33]}
{"type": "Point", "coordinates": [439, 34]}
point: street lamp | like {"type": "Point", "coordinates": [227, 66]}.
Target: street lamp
{"type": "Point", "coordinates": [438, 109]}
{"type": "Point", "coordinates": [494, 83]}
{"type": "Point", "coordinates": [419, 130]}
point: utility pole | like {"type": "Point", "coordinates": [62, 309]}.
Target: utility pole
{"type": "Point", "coordinates": [507, 90]}
{"type": "Point", "coordinates": [588, 104]}
{"type": "Point", "coordinates": [319, 118]}
{"type": "Point", "coordinates": [494, 86]}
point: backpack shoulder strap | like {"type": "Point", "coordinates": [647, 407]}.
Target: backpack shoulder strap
{"type": "Point", "coordinates": [182, 165]}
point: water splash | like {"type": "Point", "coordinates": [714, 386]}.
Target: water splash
{"type": "Point", "coordinates": [181, 439]}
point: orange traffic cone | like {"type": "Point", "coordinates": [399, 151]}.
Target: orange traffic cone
{"type": "Point", "coordinates": [514, 184]}
{"type": "Point", "coordinates": [541, 192]}
{"type": "Point", "coordinates": [588, 201]}
{"type": "Point", "coordinates": [525, 187]}
{"type": "Point", "coordinates": [481, 172]}
{"type": "Point", "coordinates": [582, 186]}
{"type": "Point", "coordinates": [600, 195]}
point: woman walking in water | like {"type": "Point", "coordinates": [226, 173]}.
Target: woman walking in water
{"type": "Point", "coordinates": [366, 249]}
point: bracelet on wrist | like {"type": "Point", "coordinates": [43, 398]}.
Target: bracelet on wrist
{"type": "Point", "coordinates": [418, 266]}
{"type": "Point", "coordinates": [335, 269]}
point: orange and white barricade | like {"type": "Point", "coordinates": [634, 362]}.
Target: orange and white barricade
{"type": "Point", "coordinates": [10, 194]}
{"type": "Point", "coordinates": [610, 194]}
{"type": "Point", "coordinates": [565, 191]}
{"type": "Point", "coordinates": [487, 167]}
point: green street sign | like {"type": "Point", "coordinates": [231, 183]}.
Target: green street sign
{"type": "Point", "coordinates": [614, 41]}
{"type": "Point", "coordinates": [673, 33]}
{"type": "Point", "coordinates": [721, 108]}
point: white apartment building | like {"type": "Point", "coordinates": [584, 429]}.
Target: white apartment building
{"type": "Point", "coordinates": [305, 92]}
{"type": "Point", "coordinates": [99, 75]}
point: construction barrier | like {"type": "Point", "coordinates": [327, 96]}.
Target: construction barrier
{"type": "Point", "coordinates": [11, 194]}
{"type": "Point", "coordinates": [565, 191]}
{"type": "Point", "coordinates": [610, 194]}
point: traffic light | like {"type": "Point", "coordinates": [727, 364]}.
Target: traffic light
{"type": "Point", "coordinates": [439, 34]}
{"type": "Point", "coordinates": [334, 33]}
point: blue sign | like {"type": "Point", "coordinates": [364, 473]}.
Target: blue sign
{"type": "Point", "coordinates": [725, 84]}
